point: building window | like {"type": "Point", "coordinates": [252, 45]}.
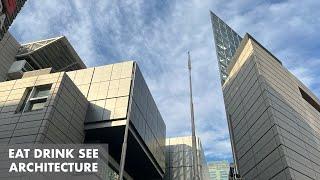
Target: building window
{"type": "Point", "coordinates": [309, 99]}
{"type": "Point", "coordinates": [35, 98]}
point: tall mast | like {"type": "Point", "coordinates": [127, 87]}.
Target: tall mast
{"type": "Point", "coordinates": [194, 142]}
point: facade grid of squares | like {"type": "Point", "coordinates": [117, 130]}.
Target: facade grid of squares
{"type": "Point", "coordinates": [276, 131]}
{"type": "Point", "coordinates": [226, 44]}
{"type": "Point", "coordinates": [108, 89]}
{"type": "Point", "coordinates": [59, 121]}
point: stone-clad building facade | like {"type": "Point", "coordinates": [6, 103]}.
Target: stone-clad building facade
{"type": "Point", "coordinates": [89, 105]}
{"type": "Point", "coordinates": [47, 95]}
{"type": "Point", "coordinates": [117, 93]}
{"type": "Point", "coordinates": [47, 108]}
{"type": "Point", "coordinates": [275, 119]}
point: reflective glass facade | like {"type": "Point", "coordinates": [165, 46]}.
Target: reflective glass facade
{"type": "Point", "coordinates": [147, 119]}
{"type": "Point", "coordinates": [116, 93]}
{"type": "Point", "coordinates": [226, 43]}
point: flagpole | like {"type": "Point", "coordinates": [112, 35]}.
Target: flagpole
{"type": "Point", "coordinates": [194, 141]}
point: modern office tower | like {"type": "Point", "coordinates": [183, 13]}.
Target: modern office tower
{"type": "Point", "coordinates": [218, 170]}
{"type": "Point", "coordinates": [179, 164]}
{"type": "Point", "coordinates": [273, 117]}
{"type": "Point", "coordinates": [226, 43]}
{"type": "Point", "coordinates": [8, 12]}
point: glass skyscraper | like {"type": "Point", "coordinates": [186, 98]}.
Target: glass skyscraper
{"type": "Point", "coordinates": [226, 42]}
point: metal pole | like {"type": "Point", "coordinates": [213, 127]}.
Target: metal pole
{"type": "Point", "coordinates": [194, 141]}
{"type": "Point", "coordinates": [124, 150]}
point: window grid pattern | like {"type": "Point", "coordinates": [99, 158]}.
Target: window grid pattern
{"type": "Point", "coordinates": [226, 43]}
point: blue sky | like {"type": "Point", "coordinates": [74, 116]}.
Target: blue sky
{"type": "Point", "coordinates": [158, 33]}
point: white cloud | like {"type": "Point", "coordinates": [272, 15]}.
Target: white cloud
{"type": "Point", "coordinates": [159, 33]}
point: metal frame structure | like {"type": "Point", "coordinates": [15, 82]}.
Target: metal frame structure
{"type": "Point", "coordinates": [56, 52]}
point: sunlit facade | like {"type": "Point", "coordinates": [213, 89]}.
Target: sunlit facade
{"type": "Point", "coordinates": [273, 117]}
{"type": "Point", "coordinates": [45, 83]}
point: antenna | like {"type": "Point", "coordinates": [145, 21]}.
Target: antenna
{"type": "Point", "coordinates": [194, 141]}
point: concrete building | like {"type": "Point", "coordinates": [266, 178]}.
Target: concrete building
{"type": "Point", "coordinates": [219, 170]}
{"type": "Point", "coordinates": [179, 163]}
{"type": "Point", "coordinates": [273, 118]}
{"type": "Point", "coordinates": [46, 104]}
